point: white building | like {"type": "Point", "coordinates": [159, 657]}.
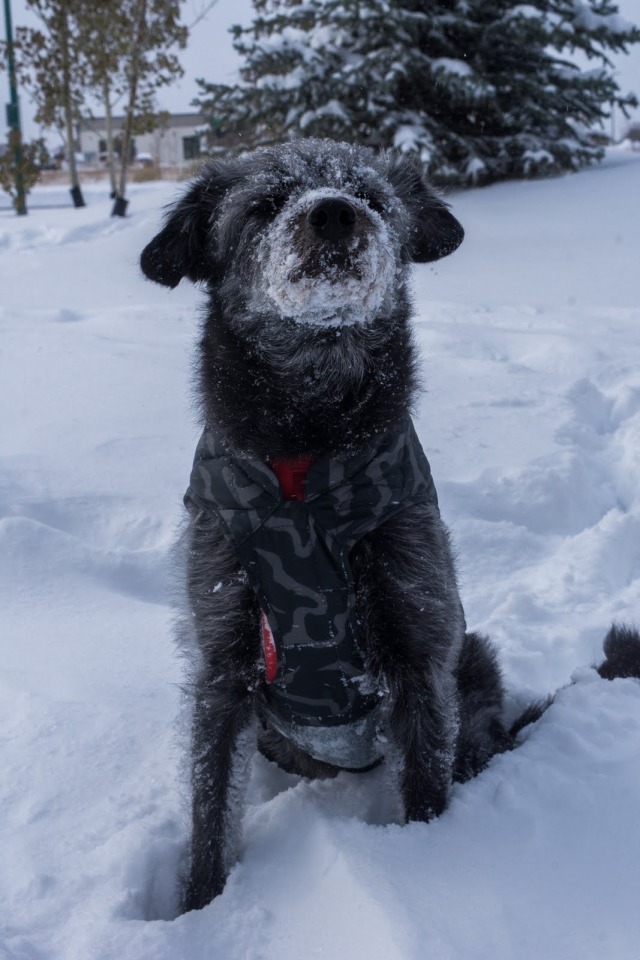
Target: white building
{"type": "Point", "coordinates": [176, 142]}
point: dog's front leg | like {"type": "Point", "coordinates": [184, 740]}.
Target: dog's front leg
{"type": "Point", "coordinates": [414, 627]}
{"type": "Point", "coordinates": [423, 728]}
{"type": "Point", "coordinates": [221, 640]}
{"type": "Point", "coordinates": [222, 742]}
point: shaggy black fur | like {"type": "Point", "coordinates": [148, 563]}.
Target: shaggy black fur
{"type": "Point", "coordinates": [276, 382]}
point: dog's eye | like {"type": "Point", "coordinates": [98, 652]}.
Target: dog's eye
{"type": "Point", "coordinates": [372, 202]}
{"type": "Point", "coordinates": [266, 206]}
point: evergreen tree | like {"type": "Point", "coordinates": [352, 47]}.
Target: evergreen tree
{"type": "Point", "coordinates": [320, 68]}
{"type": "Point", "coordinates": [504, 99]}
{"type": "Point", "coordinates": [479, 91]}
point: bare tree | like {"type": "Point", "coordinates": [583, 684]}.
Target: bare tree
{"type": "Point", "coordinates": [147, 65]}
{"type": "Point", "coordinates": [105, 37]}
{"type": "Point", "coordinates": [107, 48]}
{"type": "Point", "coordinates": [52, 66]}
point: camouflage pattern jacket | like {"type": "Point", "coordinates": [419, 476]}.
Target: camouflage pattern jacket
{"type": "Point", "coordinates": [296, 557]}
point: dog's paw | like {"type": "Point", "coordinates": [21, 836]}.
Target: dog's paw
{"type": "Point", "coordinates": [199, 893]}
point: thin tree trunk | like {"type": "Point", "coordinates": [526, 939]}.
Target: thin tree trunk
{"type": "Point", "coordinates": [111, 161]}
{"type": "Point", "coordinates": [134, 76]}
{"type": "Point", "coordinates": [76, 192]}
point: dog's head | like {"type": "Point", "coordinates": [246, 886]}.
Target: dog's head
{"type": "Point", "coordinates": [315, 231]}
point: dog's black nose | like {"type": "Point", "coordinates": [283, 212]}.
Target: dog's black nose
{"type": "Point", "coordinates": [332, 219]}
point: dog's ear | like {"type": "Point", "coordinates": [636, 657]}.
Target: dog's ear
{"type": "Point", "coordinates": [181, 249]}
{"type": "Point", "coordinates": [434, 231]}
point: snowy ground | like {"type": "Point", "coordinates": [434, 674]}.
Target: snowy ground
{"type": "Point", "coordinates": [531, 420]}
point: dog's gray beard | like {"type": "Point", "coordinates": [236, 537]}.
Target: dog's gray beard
{"type": "Point", "coordinates": [317, 285]}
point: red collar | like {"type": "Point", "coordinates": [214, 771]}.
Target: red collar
{"type": "Point", "coordinates": [292, 475]}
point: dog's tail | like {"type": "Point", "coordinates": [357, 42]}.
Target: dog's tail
{"type": "Point", "coordinates": [622, 659]}
{"type": "Point", "coordinates": [482, 731]}
{"type": "Point", "coordinates": [622, 653]}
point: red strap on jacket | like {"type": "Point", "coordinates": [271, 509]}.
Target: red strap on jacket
{"type": "Point", "coordinates": [269, 648]}
{"type": "Point", "coordinates": [291, 475]}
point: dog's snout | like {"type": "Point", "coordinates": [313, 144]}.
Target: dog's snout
{"type": "Point", "coordinates": [332, 219]}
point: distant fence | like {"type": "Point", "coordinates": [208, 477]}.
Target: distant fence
{"type": "Point", "coordinates": [90, 174]}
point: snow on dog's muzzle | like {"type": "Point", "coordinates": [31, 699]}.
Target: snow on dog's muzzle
{"type": "Point", "coordinates": [328, 258]}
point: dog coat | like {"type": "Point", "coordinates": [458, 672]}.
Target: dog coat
{"type": "Point", "coordinates": [296, 557]}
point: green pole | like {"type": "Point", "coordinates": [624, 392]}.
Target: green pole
{"type": "Point", "coordinates": [13, 115]}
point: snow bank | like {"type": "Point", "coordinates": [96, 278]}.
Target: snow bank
{"type": "Point", "coordinates": [531, 420]}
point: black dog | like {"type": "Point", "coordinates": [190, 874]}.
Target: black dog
{"type": "Point", "coordinates": [324, 619]}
